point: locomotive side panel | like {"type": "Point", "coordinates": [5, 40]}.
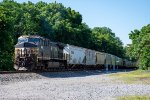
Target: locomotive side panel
{"type": "Point", "coordinates": [51, 55]}
{"type": "Point", "coordinates": [44, 53]}
{"type": "Point", "coordinates": [49, 50]}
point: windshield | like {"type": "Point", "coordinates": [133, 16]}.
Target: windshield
{"type": "Point", "coordinates": [23, 40]}
{"type": "Point", "coordinates": [35, 40]}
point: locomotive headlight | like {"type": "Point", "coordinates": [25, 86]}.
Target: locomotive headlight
{"type": "Point", "coordinates": [17, 51]}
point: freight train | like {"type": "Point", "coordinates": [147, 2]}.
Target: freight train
{"type": "Point", "coordinates": [36, 52]}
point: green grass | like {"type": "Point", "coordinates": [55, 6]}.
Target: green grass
{"type": "Point", "coordinates": [138, 76]}
{"type": "Point", "coordinates": [134, 98]}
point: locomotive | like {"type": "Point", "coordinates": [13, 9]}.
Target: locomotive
{"type": "Point", "coordinates": [33, 52]}
{"type": "Point", "coordinates": [36, 52]}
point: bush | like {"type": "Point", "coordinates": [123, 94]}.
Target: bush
{"type": "Point", "coordinates": [6, 62]}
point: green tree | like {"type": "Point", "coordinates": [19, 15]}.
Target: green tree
{"type": "Point", "coordinates": [140, 47]}
{"type": "Point", "coordinates": [105, 40]}
{"type": "Point", "coordinates": [6, 41]}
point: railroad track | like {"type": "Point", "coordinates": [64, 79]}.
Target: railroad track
{"type": "Point", "coordinates": [40, 71]}
{"type": "Point", "coordinates": [53, 70]}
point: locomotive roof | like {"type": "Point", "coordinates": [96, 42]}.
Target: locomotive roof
{"type": "Point", "coordinates": [33, 36]}
{"type": "Point", "coordinates": [36, 36]}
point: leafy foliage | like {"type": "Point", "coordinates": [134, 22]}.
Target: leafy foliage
{"type": "Point", "coordinates": [6, 41]}
{"type": "Point", "coordinates": [140, 47]}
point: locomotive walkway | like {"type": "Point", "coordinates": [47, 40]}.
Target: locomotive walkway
{"type": "Point", "coordinates": [71, 85]}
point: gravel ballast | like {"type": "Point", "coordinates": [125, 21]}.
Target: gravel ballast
{"type": "Point", "coordinates": [77, 85]}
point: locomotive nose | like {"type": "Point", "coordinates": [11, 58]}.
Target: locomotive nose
{"type": "Point", "coordinates": [25, 55]}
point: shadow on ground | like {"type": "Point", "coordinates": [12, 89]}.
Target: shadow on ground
{"type": "Point", "coordinates": [82, 73]}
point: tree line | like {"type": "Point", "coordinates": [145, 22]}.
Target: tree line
{"type": "Point", "coordinates": [53, 21]}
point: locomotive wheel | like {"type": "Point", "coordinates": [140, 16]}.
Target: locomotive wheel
{"type": "Point", "coordinates": [31, 66]}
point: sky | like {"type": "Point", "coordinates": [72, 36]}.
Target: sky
{"type": "Point", "coordinates": [121, 16]}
